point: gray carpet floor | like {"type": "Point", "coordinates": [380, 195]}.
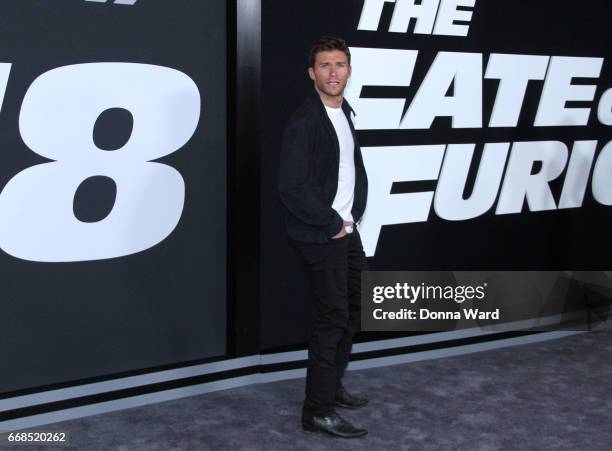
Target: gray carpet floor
{"type": "Point", "coordinates": [552, 395]}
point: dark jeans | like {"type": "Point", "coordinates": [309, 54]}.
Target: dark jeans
{"type": "Point", "coordinates": [334, 269]}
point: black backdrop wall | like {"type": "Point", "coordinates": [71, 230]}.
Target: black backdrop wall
{"type": "Point", "coordinates": [114, 260]}
{"type": "Point", "coordinates": [73, 310]}
{"type": "Point", "coordinates": [538, 235]}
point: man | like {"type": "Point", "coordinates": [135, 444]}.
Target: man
{"type": "Point", "coordinates": [323, 190]}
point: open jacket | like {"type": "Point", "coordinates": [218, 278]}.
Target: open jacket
{"type": "Point", "coordinates": [308, 173]}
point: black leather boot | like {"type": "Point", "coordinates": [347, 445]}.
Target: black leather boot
{"type": "Point", "coordinates": [348, 401]}
{"type": "Point", "coordinates": [332, 424]}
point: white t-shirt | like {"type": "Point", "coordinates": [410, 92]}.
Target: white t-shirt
{"type": "Point", "coordinates": [343, 202]}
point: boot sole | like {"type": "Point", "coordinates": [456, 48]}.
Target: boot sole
{"type": "Point", "coordinates": [311, 428]}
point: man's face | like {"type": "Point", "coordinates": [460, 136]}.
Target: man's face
{"type": "Point", "coordinates": [330, 73]}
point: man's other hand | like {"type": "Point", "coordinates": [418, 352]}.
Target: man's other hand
{"type": "Point", "coordinates": [343, 230]}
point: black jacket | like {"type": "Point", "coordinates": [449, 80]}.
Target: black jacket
{"type": "Point", "coordinates": [308, 173]}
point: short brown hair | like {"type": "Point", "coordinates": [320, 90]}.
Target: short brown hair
{"type": "Point", "coordinates": [326, 44]}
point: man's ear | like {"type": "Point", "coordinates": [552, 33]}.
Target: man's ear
{"type": "Point", "coordinates": [311, 73]}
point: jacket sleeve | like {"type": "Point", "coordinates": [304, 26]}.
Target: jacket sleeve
{"type": "Point", "coordinates": [295, 182]}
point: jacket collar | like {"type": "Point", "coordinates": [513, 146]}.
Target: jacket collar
{"type": "Point", "coordinates": [346, 107]}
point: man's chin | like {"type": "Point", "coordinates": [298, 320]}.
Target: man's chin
{"type": "Point", "coordinates": [333, 93]}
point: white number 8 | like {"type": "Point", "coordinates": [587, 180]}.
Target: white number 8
{"type": "Point", "coordinates": [57, 121]}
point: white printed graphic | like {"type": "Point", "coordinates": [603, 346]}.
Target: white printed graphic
{"type": "Point", "coordinates": [604, 111]}
{"type": "Point", "coordinates": [577, 175]}
{"type": "Point", "coordinates": [448, 14]}
{"type": "Point", "coordinates": [520, 183]}
{"type": "Point", "coordinates": [5, 70]}
{"type": "Point", "coordinates": [449, 202]}
{"type": "Point", "coordinates": [602, 174]}
{"type": "Point", "coordinates": [379, 67]}
{"type": "Point", "coordinates": [57, 120]}
{"type": "Point", "coordinates": [558, 90]}
{"type": "Point", "coordinates": [463, 71]}
{"type": "Point", "coordinates": [514, 73]}
{"type": "Point", "coordinates": [432, 16]}
{"type": "Point", "coordinates": [520, 172]}
{"type": "Point", "coordinates": [386, 165]}
{"type": "Point", "coordinates": [424, 15]}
